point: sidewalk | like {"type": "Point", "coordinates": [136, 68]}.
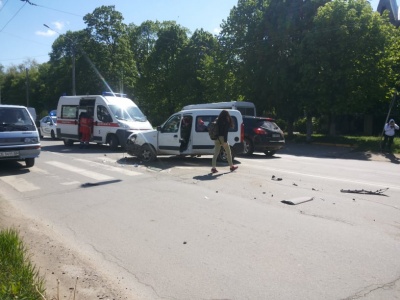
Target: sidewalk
{"type": "Point", "coordinates": [336, 151]}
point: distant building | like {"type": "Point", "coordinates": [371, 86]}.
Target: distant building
{"type": "Point", "coordinates": [391, 6]}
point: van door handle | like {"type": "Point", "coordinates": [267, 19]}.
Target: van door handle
{"type": "Point", "coordinates": [175, 136]}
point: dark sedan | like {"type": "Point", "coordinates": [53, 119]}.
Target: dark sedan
{"type": "Point", "coordinates": [262, 135]}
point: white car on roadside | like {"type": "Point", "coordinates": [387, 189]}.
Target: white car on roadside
{"type": "Point", "coordinates": [48, 127]}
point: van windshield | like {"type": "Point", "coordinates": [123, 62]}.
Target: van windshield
{"type": "Point", "coordinates": [128, 113]}
{"type": "Point", "coordinates": [15, 119]}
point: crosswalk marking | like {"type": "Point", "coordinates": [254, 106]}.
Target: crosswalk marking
{"type": "Point", "coordinates": [70, 183]}
{"type": "Point", "coordinates": [20, 184]}
{"type": "Point", "coordinates": [83, 172]}
{"type": "Point", "coordinates": [122, 169]}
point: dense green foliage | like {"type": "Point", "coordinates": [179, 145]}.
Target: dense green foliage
{"type": "Point", "coordinates": [294, 59]}
{"type": "Point", "coordinates": [19, 279]}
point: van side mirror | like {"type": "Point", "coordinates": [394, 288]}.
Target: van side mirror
{"type": "Point", "coordinates": [159, 128]}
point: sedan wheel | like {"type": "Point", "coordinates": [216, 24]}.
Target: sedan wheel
{"type": "Point", "coordinates": [248, 147]}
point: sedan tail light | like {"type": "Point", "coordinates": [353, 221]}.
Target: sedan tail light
{"type": "Point", "coordinates": [259, 131]}
{"type": "Point", "coordinates": [242, 132]}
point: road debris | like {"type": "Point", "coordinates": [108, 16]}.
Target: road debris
{"type": "Point", "coordinates": [276, 178]}
{"type": "Point", "coordinates": [297, 200]}
{"type": "Point", "coordinates": [365, 192]}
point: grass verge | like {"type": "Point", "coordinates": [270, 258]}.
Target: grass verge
{"type": "Point", "coordinates": [19, 279]}
{"type": "Point", "coordinates": [359, 143]}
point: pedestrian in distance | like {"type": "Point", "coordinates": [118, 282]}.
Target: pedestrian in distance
{"type": "Point", "coordinates": [388, 135]}
{"type": "Point", "coordinates": [224, 122]}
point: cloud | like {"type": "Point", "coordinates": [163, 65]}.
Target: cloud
{"type": "Point", "coordinates": [50, 32]}
{"type": "Point", "coordinates": [58, 25]}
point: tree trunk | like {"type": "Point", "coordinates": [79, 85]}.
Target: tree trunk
{"type": "Point", "coordinates": [332, 125]}
{"type": "Point", "coordinates": [309, 128]}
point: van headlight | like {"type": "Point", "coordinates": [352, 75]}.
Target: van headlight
{"type": "Point", "coordinates": [31, 140]}
{"type": "Point", "coordinates": [132, 138]}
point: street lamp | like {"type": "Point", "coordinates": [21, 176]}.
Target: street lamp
{"type": "Point", "coordinates": [73, 61]}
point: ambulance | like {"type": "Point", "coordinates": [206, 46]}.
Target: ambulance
{"type": "Point", "coordinates": [115, 117]}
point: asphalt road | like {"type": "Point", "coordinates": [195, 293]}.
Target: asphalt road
{"type": "Point", "coordinates": [171, 230]}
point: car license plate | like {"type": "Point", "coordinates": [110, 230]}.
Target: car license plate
{"type": "Point", "coordinates": [9, 154]}
{"type": "Point", "coordinates": [276, 135]}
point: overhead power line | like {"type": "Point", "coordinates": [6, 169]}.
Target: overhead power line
{"type": "Point", "coordinates": [13, 17]}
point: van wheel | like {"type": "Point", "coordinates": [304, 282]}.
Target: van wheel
{"type": "Point", "coordinates": [147, 153]}
{"type": "Point", "coordinates": [223, 157]}
{"type": "Point", "coordinates": [52, 134]}
{"type": "Point", "coordinates": [113, 142]}
{"type": "Point", "coordinates": [248, 147]}
{"type": "Point", "coordinates": [29, 162]}
{"type": "Point", "coordinates": [68, 142]}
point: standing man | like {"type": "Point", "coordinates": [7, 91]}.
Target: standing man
{"type": "Point", "coordinates": [85, 128]}
{"type": "Point", "coordinates": [388, 135]}
{"type": "Point", "coordinates": [224, 122]}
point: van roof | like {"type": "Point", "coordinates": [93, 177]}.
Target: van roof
{"type": "Point", "coordinates": [12, 105]}
{"type": "Point", "coordinates": [210, 110]}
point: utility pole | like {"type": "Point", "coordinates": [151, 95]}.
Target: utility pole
{"type": "Point", "coordinates": [73, 60]}
{"type": "Point", "coordinates": [88, 60]}
{"type": "Point", "coordinates": [27, 87]}
{"type": "Point", "coordinates": [73, 71]}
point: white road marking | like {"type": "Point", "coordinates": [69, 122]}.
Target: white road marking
{"type": "Point", "coordinates": [70, 183]}
{"type": "Point", "coordinates": [83, 172]}
{"type": "Point", "coordinates": [20, 184]}
{"type": "Point", "coordinates": [123, 169]}
{"type": "Point", "coordinates": [38, 170]}
{"type": "Point", "coordinates": [347, 180]}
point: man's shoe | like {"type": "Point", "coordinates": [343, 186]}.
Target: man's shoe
{"type": "Point", "coordinates": [214, 170]}
{"type": "Point", "coordinates": [233, 168]}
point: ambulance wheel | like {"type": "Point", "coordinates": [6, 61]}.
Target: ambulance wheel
{"type": "Point", "coordinates": [147, 153]}
{"type": "Point", "coordinates": [68, 142]}
{"type": "Point", "coordinates": [113, 142]}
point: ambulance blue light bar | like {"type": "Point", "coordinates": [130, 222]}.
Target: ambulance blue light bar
{"type": "Point", "coordinates": [115, 94]}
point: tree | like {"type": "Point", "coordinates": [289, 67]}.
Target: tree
{"type": "Point", "coordinates": [344, 59]}
{"type": "Point", "coordinates": [157, 87]}
{"type": "Point", "coordinates": [200, 71]}
{"type": "Point", "coordinates": [108, 49]}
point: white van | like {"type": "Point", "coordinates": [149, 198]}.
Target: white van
{"type": "Point", "coordinates": [114, 119]}
{"type": "Point", "coordinates": [185, 133]}
{"type": "Point", "coordinates": [245, 108]}
{"type": "Point", "coordinates": [19, 137]}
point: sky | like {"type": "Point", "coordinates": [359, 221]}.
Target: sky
{"type": "Point", "coordinates": [23, 35]}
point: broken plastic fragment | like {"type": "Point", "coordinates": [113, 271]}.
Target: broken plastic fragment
{"type": "Point", "coordinates": [297, 200]}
